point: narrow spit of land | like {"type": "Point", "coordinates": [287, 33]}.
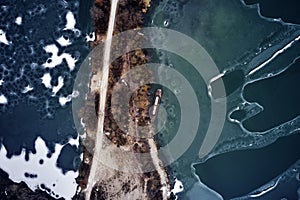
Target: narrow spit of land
{"type": "Point", "coordinates": [106, 182]}
{"type": "Point", "coordinates": [102, 85]}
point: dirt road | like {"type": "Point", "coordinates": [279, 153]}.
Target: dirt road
{"type": "Point", "coordinates": [102, 84]}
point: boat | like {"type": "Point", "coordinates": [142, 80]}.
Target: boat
{"type": "Point", "coordinates": [157, 100]}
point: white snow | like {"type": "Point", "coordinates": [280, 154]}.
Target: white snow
{"type": "Point", "coordinates": [1, 82]}
{"type": "Point", "coordinates": [48, 174]}
{"type": "Point", "coordinates": [74, 142]}
{"type": "Point", "coordinates": [3, 38]}
{"type": "Point", "coordinates": [46, 80]}
{"type": "Point", "coordinates": [90, 37]}
{"type": "Point", "coordinates": [3, 99]}
{"type": "Point", "coordinates": [178, 187]}
{"type": "Point", "coordinates": [70, 60]}
{"type": "Point", "coordinates": [63, 41]}
{"type": "Point", "coordinates": [71, 22]}
{"type": "Point", "coordinates": [56, 60]}
{"type": "Point", "coordinates": [27, 89]}
{"type": "Point", "coordinates": [63, 100]}
{"type": "Point", "coordinates": [60, 84]}
{"type": "Point", "coordinates": [18, 20]}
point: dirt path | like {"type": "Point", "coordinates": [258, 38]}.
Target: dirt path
{"type": "Point", "coordinates": [102, 84]}
{"type": "Point", "coordinates": [160, 169]}
{"type": "Point", "coordinates": [100, 173]}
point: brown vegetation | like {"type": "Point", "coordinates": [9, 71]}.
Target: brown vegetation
{"type": "Point", "coordinates": [129, 16]}
{"type": "Point", "coordinates": [100, 15]}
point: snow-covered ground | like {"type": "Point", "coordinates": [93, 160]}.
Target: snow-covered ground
{"type": "Point", "coordinates": [43, 168]}
{"type": "Point", "coordinates": [178, 187]}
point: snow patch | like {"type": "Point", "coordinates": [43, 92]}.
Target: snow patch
{"type": "Point", "coordinates": [90, 37]}
{"type": "Point", "coordinates": [27, 89]}
{"type": "Point", "coordinates": [60, 84]}
{"type": "Point", "coordinates": [74, 142]}
{"type": "Point", "coordinates": [57, 60]}
{"type": "Point", "coordinates": [3, 99]}
{"type": "Point", "coordinates": [1, 82]}
{"type": "Point", "coordinates": [18, 20]}
{"type": "Point", "coordinates": [3, 38]}
{"type": "Point", "coordinates": [71, 22]}
{"type": "Point", "coordinates": [46, 80]}
{"type": "Point", "coordinates": [70, 60]}
{"type": "Point", "coordinates": [63, 100]}
{"type": "Point", "coordinates": [178, 187]}
{"type": "Point", "coordinates": [63, 185]}
{"type": "Point", "coordinates": [63, 41]}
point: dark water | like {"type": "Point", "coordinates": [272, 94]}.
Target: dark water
{"type": "Point", "coordinates": [278, 96]}
{"type": "Point", "coordinates": [84, 16]}
{"type": "Point", "coordinates": [231, 80]}
{"type": "Point", "coordinates": [240, 172]}
{"type": "Point", "coordinates": [69, 158]}
{"type": "Point", "coordinates": [238, 115]}
{"type": "Point", "coordinates": [37, 113]}
{"type": "Point", "coordinates": [23, 124]}
{"type": "Point", "coordinates": [287, 10]}
{"type": "Point", "coordinates": [237, 173]}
